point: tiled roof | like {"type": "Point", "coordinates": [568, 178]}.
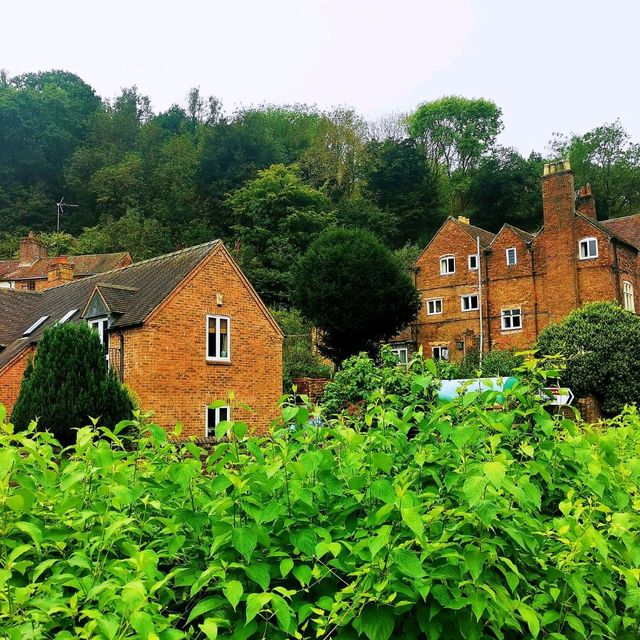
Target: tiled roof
{"type": "Point", "coordinates": [14, 307]}
{"type": "Point", "coordinates": [6, 266]}
{"type": "Point", "coordinates": [153, 280]}
{"type": "Point", "coordinates": [627, 228]}
{"type": "Point", "coordinates": [83, 266]}
{"type": "Point", "coordinates": [485, 236]}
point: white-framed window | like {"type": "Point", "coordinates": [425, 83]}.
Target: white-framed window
{"type": "Point", "coordinates": [512, 256]}
{"type": "Point", "coordinates": [41, 320]}
{"type": "Point", "coordinates": [511, 319]}
{"type": "Point", "coordinates": [213, 418]}
{"type": "Point", "coordinates": [447, 265]}
{"type": "Point", "coordinates": [219, 338]}
{"type": "Point", "coordinates": [472, 261]}
{"type": "Point", "coordinates": [434, 306]}
{"type": "Point", "coordinates": [469, 302]}
{"type": "Point", "coordinates": [402, 353]}
{"type": "Point", "coordinates": [67, 316]}
{"type": "Point", "coordinates": [588, 248]}
{"type": "Point", "coordinates": [627, 294]}
{"type": "Point", "coordinates": [440, 353]}
{"type": "Point", "coordinates": [99, 325]}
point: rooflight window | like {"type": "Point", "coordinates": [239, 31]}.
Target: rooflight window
{"type": "Point", "coordinates": [35, 325]}
{"type": "Point", "coordinates": [67, 316]}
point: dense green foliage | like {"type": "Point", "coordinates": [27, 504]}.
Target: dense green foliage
{"type": "Point", "coordinates": [483, 525]}
{"type": "Point", "coordinates": [67, 381]}
{"type": "Point", "coordinates": [601, 344]}
{"type": "Point", "coordinates": [354, 291]}
{"type": "Point", "coordinates": [299, 357]}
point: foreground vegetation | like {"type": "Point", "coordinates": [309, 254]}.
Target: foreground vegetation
{"type": "Point", "coordinates": [409, 518]}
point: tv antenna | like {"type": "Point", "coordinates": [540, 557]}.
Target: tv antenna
{"type": "Point", "coordinates": [61, 205]}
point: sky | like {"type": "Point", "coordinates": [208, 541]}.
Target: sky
{"type": "Point", "coordinates": [550, 65]}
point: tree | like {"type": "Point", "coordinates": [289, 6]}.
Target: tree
{"type": "Point", "coordinates": [68, 382]}
{"type": "Point", "coordinates": [601, 342]}
{"type": "Point", "coordinates": [456, 131]}
{"type": "Point", "coordinates": [275, 217]}
{"type": "Point", "coordinates": [354, 291]}
{"type": "Point", "coordinates": [606, 158]}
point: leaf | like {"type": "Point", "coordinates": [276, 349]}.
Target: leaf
{"type": "Point", "coordinates": [204, 606]}
{"type": "Point", "coordinates": [255, 603]}
{"type": "Point", "coordinates": [259, 573]}
{"type": "Point", "coordinates": [31, 530]}
{"type": "Point", "coordinates": [233, 591]}
{"type": "Point", "coordinates": [531, 618]}
{"type": "Point", "coordinates": [495, 471]}
{"type": "Point", "coordinates": [305, 540]}
{"type": "Point", "coordinates": [408, 562]}
{"type": "Point", "coordinates": [285, 567]}
{"type": "Point", "coordinates": [382, 461]}
{"type": "Point", "coordinates": [133, 594]}
{"type": "Point", "coordinates": [282, 611]}
{"type": "Point", "coordinates": [383, 490]}
{"type": "Point", "coordinates": [303, 574]}
{"type": "Point", "coordinates": [474, 488]}
{"type": "Point", "coordinates": [377, 622]}
{"type": "Point", "coordinates": [474, 560]}
{"type": "Point", "coordinates": [244, 540]}
{"type": "Point", "coordinates": [209, 628]}
{"type": "Point", "coordinates": [413, 520]}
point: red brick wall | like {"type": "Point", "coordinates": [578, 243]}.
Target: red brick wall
{"type": "Point", "coordinates": [165, 360]}
{"type": "Point", "coordinates": [11, 377]}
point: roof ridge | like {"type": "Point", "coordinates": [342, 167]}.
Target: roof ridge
{"type": "Point", "coordinates": [137, 264]}
{"type": "Point", "coordinates": [116, 286]}
{"type": "Point", "coordinates": [631, 215]}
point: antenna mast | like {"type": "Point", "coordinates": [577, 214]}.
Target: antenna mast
{"type": "Point", "coordinates": [61, 205]}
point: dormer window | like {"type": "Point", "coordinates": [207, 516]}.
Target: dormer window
{"type": "Point", "coordinates": [588, 248]}
{"type": "Point", "coordinates": [447, 265]}
{"type": "Point", "coordinates": [512, 256]}
{"type": "Point", "coordinates": [39, 322]}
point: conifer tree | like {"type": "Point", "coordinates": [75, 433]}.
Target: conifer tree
{"type": "Point", "coordinates": [68, 382]}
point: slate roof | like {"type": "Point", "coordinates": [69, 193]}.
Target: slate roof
{"type": "Point", "coordinates": [627, 228]}
{"type": "Point", "coordinates": [134, 291]}
{"type": "Point", "coordinates": [14, 306]}
{"type": "Point", "coordinates": [486, 237]}
{"type": "Point", "coordinates": [83, 266]}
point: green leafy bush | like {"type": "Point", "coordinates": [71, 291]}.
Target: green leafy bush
{"type": "Point", "coordinates": [361, 378]}
{"type": "Point", "coordinates": [495, 363]}
{"type": "Point", "coordinates": [601, 344]}
{"type": "Point", "coordinates": [485, 525]}
{"type": "Point", "coordinates": [68, 381]}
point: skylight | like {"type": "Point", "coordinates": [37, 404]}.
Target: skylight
{"type": "Point", "coordinates": [67, 316]}
{"type": "Point", "coordinates": [34, 326]}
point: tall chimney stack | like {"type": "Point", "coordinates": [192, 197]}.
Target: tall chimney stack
{"type": "Point", "coordinates": [585, 202]}
{"type": "Point", "coordinates": [32, 249]}
{"type": "Point", "coordinates": [59, 271]}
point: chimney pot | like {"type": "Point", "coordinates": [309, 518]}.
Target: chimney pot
{"type": "Point", "coordinates": [464, 220]}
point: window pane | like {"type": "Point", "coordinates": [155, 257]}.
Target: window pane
{"type": "Point", "coordinates": [211, 422]}
{"type": "Point", "coordinates": [224, 338]}
{"type": "Point", "coordinates": [223, 414]}
{"type": "Point", "coordinates": [211, 338]}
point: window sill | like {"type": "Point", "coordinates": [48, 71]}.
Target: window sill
{"type": "Point", "coordinates": [220, 362]}
{"type": "Point", "coordinates": [511, 330]}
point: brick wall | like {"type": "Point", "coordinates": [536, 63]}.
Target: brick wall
{"type": "Point", "coordinates": [11, 377]}
{"type": "Point", "coordinates": [165, 363]}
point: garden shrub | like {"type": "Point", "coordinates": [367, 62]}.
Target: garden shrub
{"type": "Point", "coordinates": [486, 525]}
{"type": "Point", "coordinates": [601, 344]}
{"type": "Point", "coordinates": [67, 381]}
{"type": "Point", "coordinates": [495, 363]}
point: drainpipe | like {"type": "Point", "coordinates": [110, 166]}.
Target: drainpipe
{"type": "Point", "coordinates": [121, 357]}
{"type": "Point", "coordinates": [488, 290]}
{"type": "Point", "coordinates": [415, 271]}
{"type": "Point", "coordinates": [535, 294]}
{"type": "Point", "coordinates": [616, 271]}
{"type": "Point", "coordinates": [479, 303]}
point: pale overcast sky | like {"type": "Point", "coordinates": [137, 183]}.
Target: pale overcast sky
{"type": "Point", "coordinates": [551, 65]}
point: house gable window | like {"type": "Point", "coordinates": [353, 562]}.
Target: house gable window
{"type": "Point", "coordinates": [469, 302]}
{"type": "Point", "coordinates": [434, 306]}
{"type": "Point", "coordinates": [472, 260]}
{"type": "Point", "coordinates": [402, 353]}
{"type": "Point", "coordinates": [511, 319]}
{"type": "Point", "coordinates": [215, 417]}
{"type": "Point", "coordinates": [447, 265]}
{"type": "Point", "coordinates": [628, 298]}
{"type": "Point", "coordinates": [588, 248]}
{"type": "Point", "coordinates": [100, 325]}
{"type": "Point", "coordinates": [218, 339]}
{"type": "Point", "coordinates": [512, 256]}
{"type": "Point", "coordinates": [440, 353]}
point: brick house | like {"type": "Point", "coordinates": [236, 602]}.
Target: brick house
{"type": "Point", "coordinates": [35, 270]}
{"type": "Point", "coordinates": [513, 283]}
{"type": "Point", "coordinates": [181, 330]}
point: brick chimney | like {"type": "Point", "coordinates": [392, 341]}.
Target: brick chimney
{"type": "Point", "coordinates": [561, 243]}
{"type": "Point", "coordinates": [32, 249]}
{"type": "Point", "coordinates": [585, 202]}
{"type": "Point", "coordinates": [59, 271]}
